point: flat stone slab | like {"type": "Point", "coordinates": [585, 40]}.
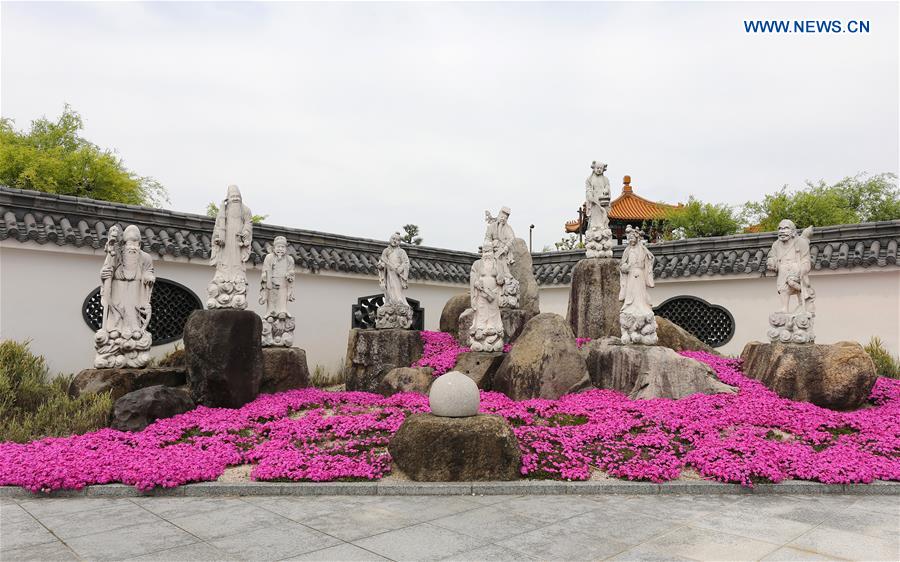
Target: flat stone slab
{"type": "Point", "coordinates": [122, 381]}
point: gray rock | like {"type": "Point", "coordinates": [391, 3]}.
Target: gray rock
{"type": "Point", "coordinates": [406, 379]}
{"type": "Point", "coordinates": [594, 299]}
{"type": "Point", "coordinates": [480, 366]}
{"type": "Point", "coordinates": [675, 337]}
{"type": "Point", "coordinates": [284, 368]}
{"type": "Point", "coordinates": [428, 448]}
{"type": "Point", "coordinates": [543, 363]}
{"type": "Point", "coordinates": [839, 376]}
{"type": "Point", "coordinates": [649, 371]}
{"type": "Point", "coordinates": [455, 306]}
{"type": "Point", "coordinates": [514, 320]}
{"type": "Point", "coordinates": [522, 269]}
{"type": "Point", "coordinates": [138, 409]}
{"type": "Point", "coordinates": [122, 381]}
{"type": "Point", "coordinates": [224, 356]}
{"type": "Point", "coordinates": [454, 395]}
{"type": "Point", "coordinates": [371, 354]}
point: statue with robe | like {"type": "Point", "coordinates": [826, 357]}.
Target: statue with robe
{"type": "Point", "coordinates": [275, 292]}
{"type": "Point", "coordinates": [501, 236]}
{"type": "Point", "coordinates": [485, 288]}
{"type": "Point", "coordinates": [127, 280]}
{"type": "Point", "coordinates": [232, 236]}
{"type": "Point", "coordinates": [638, 322]}
{"type": "Point", "coordinates": [393, 276]}
{"type": "Point", "coordinates": [598, 235]}
{"type": "Point", "coordinates": [789, 258]}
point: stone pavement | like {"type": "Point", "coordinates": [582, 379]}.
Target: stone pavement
{"type": "Point", "coordinates": [673, 527]}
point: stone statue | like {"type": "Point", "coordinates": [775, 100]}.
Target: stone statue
{"type": "Point", "coordinates": [789, 258]}
{"type": "Point", "coordinates": [393, 275]}
{"type": "Point", "coordinates": [231, 240]}
{"type": "Point", "coordinates": [126, 286]}
{"type": "Point", "coordinates": [501, 235]}
{"type": "Point", "coordinates": [598, 236]}
{"type": "Point", "coordinates": [485, 289]}
{"type": "Point", "coordinates": [276, 289]}
{"type": "Point", "coordinates": [635, 276]}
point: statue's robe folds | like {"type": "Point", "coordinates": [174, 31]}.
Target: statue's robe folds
{"type": "Point", "coordinates": [636, 275]}
{"type": "Point", "coordinates": [278, 283]}
{"type": "Point", "coordinates": [484, 292]}
{"type": "Point", "coordinates": [792, 259]}
{"type": "Point", "coordinates": [129, 292]}
{"type": "Point", "coordinates": [394, 274]}
{"type": "Point", "coordinates": [596, 195]}
{"type": "Point", "coordinates": [234, 226]}
{"type": "Point", "coordinates": [502, 235]}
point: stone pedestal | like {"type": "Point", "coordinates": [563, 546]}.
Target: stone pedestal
{"type": "Point", "coordinates": [839, 376]}
{"type": "Point", "coordinates": [514, 320]}
{"type": "Point", "coordinates": [543, 363]}
{"type": "Point", "coordinates": [284, 368]}
{"type": "Point", "coordinates": [122, 381]}
{"type": "Point", "coordinates": [406, 379]}
{"type": "Point", "coordinates": [371, 354]}
{"type": "Point", "coordinates": [594, 299]}
{"type": "Point", "coordinates": [455, 306]}
{"type": "Point", "coordinates": [480, 366]}
{"type": "Point", "coordinates": [428, 448]}
{"type": "Point", "coordinates": [643, 372]}
{"type": "Point", "coordinates": [136, 410]}
{"type": "Point", "coordinates": [224, 357]}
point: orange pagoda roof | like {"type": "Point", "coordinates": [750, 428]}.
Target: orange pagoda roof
{"type": "Point", "coordinates": [629, 206]}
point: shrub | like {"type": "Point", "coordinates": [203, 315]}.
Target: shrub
{"type": "Point", "coordinates": [324, 378]}
{"type": "Point", "coordinates": [886, 365]}
{"type": "Point", "coordinates": [174, 358]}
{"type": "Point", "coordinates": [32, 407]}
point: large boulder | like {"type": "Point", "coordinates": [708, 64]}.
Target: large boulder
{"type": "Point", "coordinates": [224, 357]}
{"type": "Point", "coordinates": [371, 354]}
{"type": "Point", "coordinates": [543, 363]}
{"type": "Point", "coordinates": [284, 368]}
{"type": "Point", "coordinates": [136, 410]}
{"type": "Point", "coordinates": [522, 269]}
{"type": "Point", "coordinates": [839, 376]}
{"type": "Point", "coordinates": [594, 299]}
{"type": "Point", "coordinates": [514, 320]}
{"type": "Point", "coordinates": [480, 366]}
{"type": "Point", "coordinates": [428, 448]}
{"type": "Point", "coordinates": [675, 337]}
{"type": "Point", "coordinates": [649, 371]}
{"type": "Point", "coordinates": [455, 306]}
{"type": "Point", "coordinates": [122, 381]}
{"type": "Point", "coordinates": [406, 379]}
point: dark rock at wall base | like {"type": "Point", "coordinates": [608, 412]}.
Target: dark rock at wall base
{"type": "Point", "coordinates": [223, 349]}
{"type": "Point", "coordinates": [594, 299]}
{"type": "Point", "coordinates": [122, 381]}
{"type": "Point", "coordinates": [284, 368]}
{"type": "Point", "coordinates": [455, 306]}
{"type": "Point", "coordinates": [372, 354]}
{"type": "Point", "coordinates": [480, 366]}
{"type": "Point", "coordinates": [136, 410]}
{"type": "Point", "coordinates": [406, 379]}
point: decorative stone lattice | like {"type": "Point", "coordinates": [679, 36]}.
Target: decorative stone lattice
{"type": "Point", "coordinates": [364, 314]}
{"type": "Point", "coordinates": [710, 323]}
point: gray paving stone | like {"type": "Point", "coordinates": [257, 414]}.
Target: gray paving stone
{"type": "Point", "coordinates": [844, 544]}
{"type": "Point", "coordinates": [884, 504]}
{"type": "Point", "coordinates": [341, 553]}
{"type": "Point", "coordinates": [128, 542]}
{"type": "Point", "coordinates": [677, 508]}
{"type": "Point", "coordinates": [50, 507]}
{"type": "Point", "coordinates": [48, 552]}
{"type": "Point", "coordinates": [616, 523]}
{"type": "Point", "coordinates": [548, 508]}
{"type": "Point", "coordinates": [489, 553]}
{"type": "Point", "coordinates": [23, 533]}
{"type": "Point", "coordinates": [531, 487]}
{"type": "Point", "coordinates": [195, 552]}
{"type": "Point", "coordinates": [871, 523]}
{"type": "Point", "coordinates": [12, 513]}
{"type": "Point", "coordinates": [491, 523]}
{"type": "Point", "coordinates": [558, 542]}
{"type": "Point", "coordinates": [703, 544]}
{"type": "Point", "coordinates": [304, 508]}
{"type": "Point", "coordinates": [648, 553]}
{"type": "Point", "coordinates": [184, 507]}
{"type": "Point", "coordinates": [426, 508]}
{"type": "Point", "coordinates": [790, 554]}
{"type": "Point", "coordinates": [804, 509]}
{"type": "Point", "coordinates": [419, 542]}
{"type": "Point", "coordinates": [358, 522]}
{"type": "Point", "coordinates": [120, 514]}
{"type": "Point", "coordinates": [230, 520]}
{"type": "Point", "coordinates": [424, 489]}
{"type": "Point", "coordinates": [748, 521]}
{"type": "Point", "coordinates": [274, 542]}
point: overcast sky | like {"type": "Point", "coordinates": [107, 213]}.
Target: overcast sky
{"type": "Point", "coordinates": [359, 118]}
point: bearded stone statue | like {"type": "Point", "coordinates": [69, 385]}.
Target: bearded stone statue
{"type": "Point", "coordinates": [232, 236]}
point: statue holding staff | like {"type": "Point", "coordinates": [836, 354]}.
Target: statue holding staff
{"type": "Point", "coordinates": [275, 292]}
{"type": "Point", "coordinates": [232, 236]}
{"type": "Point", "coordinates": [393, 276]}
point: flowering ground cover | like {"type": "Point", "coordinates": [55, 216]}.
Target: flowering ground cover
{"type": "Point", "coordinates": [315, 435]}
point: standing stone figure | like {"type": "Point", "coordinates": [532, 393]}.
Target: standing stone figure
{"type": "Point", "coordinates": [501, 235]}
{"type": "Point", "coordinates": [485, 289]}
{"type": "Point", "coordinates": [393, 275]}
{"type": "Point", "coordinates": [635, 277]}
{"type": "Point", "coordinates": [126, 286]}
{"type": "Point", "coordinates": [598, 238]}
{"type": "Point", "coordinates": [276, 289]}
{"type": "Point", "coordinates": [231, 240]}
{"type": "Point", "coordinates": [789, 258]}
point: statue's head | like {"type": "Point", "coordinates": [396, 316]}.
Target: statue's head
{"type": "Point", "coordinates": [503, 216]}
{"type": "Point", "coordinates": [487, 249]}
{"type": "Point", "coordinates": [132, 238]}
{"type": "Point", "coordinates": [786, 230]}
{"type": "Point", "coordinates": [633, 235]}
{"type": "Point", "coordinates": [598, 167]}
{"type": "Point", "coordinates": [234, 194]}
{"type": "Point", "coordinates": [279, 247]}
{"type": "Point", "coordinates": [395, 240]}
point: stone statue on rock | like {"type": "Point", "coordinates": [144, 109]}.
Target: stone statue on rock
{"type": "Point", "coordinates": [636, 316]}
{"type": "Point", "coordinates": [276, 290]}
{"type": "Point", "coordinates": [393, 275]}
{"type": "Point", "coordinates": [127, 280]}
{"type": "Point", "coordinates": [501, 234]}
{"type": "Point", "coordinates": [598, 237]}
{"type": "Point", "coordinates": [789, 258]}
{"type": "Point", "coordinates": [232, 236]}
{"type": "Point", "coordinates": [486, 287]}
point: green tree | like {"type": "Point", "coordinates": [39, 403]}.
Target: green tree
{"type": "Point", "coordinates": [411, 235]}
{"type": "Point", "coordinates": [696, 219]}
{"type": "Point", "coordinates": [212, 210]}
{"type": "Point", "coordinates": [565, 244]}
{"type": "Point", "coordinates": [54, 158]}
{"type": "Point", "coordinates": [860, 198]}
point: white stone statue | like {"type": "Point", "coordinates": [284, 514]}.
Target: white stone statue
{"type": "Point", "coordinates": [276, 290]}
{"type": "Point", "coordinates": [790, 259]}
{"type": "Point", "coordinates": [635, 276]}
{"type": "Point", "coordinates": [231, 241]}
{"type": "Point", "coordinates": [598, 236]}
{"type": "Point", "coordinates": [393, 275]}
{"type": "Point", "coordinates": [501, 235]}
{"type": "Point", "coordinates": [485, 289]}
{"type": "Point", "coordinates": [126, 286]}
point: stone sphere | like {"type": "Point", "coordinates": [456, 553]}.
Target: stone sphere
{"type": "Point", "coordinates": [454, 395]}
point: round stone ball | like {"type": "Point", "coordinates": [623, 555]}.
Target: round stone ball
{"type": "Point", "coordinates": [454, 395]}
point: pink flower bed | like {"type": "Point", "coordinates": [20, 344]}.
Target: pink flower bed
{"type": "Point", "coordinates": [314, 435]}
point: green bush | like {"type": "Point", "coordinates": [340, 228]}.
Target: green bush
{"type": "Point", "coordinates": [31, 406]}
{"type": "Point", "coordinates": [886, 365]}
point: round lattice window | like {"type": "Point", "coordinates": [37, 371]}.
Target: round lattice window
{"type": "Point", "coordinates": [172, 303]}
{"type": "Point", "coordinates": [711, 323]}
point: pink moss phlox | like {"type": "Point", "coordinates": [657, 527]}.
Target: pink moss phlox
{"type": "Point", "coordinates": [440, 352]}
